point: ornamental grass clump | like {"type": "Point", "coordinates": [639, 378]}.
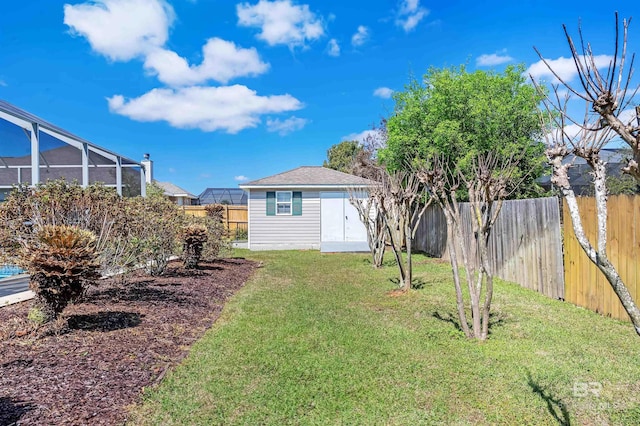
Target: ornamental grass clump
{"type": "Point", "coordinates": [194, 238]}
{"type": "Point", "coordinates": [62, 260]}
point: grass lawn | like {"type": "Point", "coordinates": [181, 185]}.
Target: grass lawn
{"type": "Point", "coordinates": [316, 339]}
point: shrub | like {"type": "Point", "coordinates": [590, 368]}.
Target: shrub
{"type": "Point", "coordinates": [129, 231]}
{"type": "Point", "coordinates": [94, 208]}
{"type": "Point", "coordinates": [194, 237]}
{"type": "Point", "coordinates": [241, 234]}
{"type": "Point", "coordinates": [217, 242]}
{"type": "Point", "coordinates": [61, 260]}
{"type": "Point", "coordinates": [154, 224]}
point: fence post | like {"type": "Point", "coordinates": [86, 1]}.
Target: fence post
{"type": "Point", "coordinates": [226, 216]}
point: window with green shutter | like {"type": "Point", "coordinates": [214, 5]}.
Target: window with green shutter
{"type": "Point", "coordinates": [296, 205]}
{"type": "Point", "coordinates": [284, 203]}
{"type": "Point", "coordinates": [271, 203]}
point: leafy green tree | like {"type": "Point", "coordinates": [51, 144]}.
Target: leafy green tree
{"type": "Point", "coordinates": [460, 115]}
{"type": "Point", "coordinates": [342, 155]}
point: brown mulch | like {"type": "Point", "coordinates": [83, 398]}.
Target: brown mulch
{"type": "Point", "coordinates": [92, 366]}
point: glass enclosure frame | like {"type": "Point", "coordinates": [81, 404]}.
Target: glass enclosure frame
{"type": "Point", "coordinates": [54, 153]}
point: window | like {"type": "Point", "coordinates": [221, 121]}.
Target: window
{"type": "Point", "coordinates": [283, 202]}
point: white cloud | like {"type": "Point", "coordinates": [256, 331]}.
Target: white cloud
{"type": "Point", "coordinates": [222, 61]}
{"type": "Point", "coordinates": [241, 178]}
{"type": "Point", "coordinates": [287, 126]}
{"type": "Point", "coordinates": [125, 29]}
{"type": "Point", "coordinates": [489, 60]}
{"type": "Point", "coordinates": [383, 92]}
{"type": "Point", "coordinates": [361, 36]}
{"type": "Point", "coordinates": [360, 137]}
{"type": "Point", "coordinates": [230, 108]}
{"type": "Point", "coordinates": [281, 22]}
{"type": "Point", "coordinates": [564, 67]}
{"type": "Point", "coordinates": [333, 48]}
{"type": "Point", "coordinates": [121, 29]}
{"type": "Point", "coordinates": [410, 14]}
{"type": "Point", "coordinates": [3, 83]}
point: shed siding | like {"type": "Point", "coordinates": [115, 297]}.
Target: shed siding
{"type": "Point", "coordinates": [284, 232]}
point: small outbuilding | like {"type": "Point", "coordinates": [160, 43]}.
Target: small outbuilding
{"type": "Point", "coordinates": [306, 208]}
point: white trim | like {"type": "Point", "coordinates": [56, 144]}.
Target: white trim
{"type": "Point", "coordinates": [85, 165]}
{"type": "Point", "coordinates": [35, 154]}
{"type": "Point", "coordinates": [119, 175]}
{"type": "Point", "coordinates": [15, 120]}
{"type": "Point", "coordinates": [290, 202]}
{"type": "Point", "coordinates": [294, 186]}
{"type": "Point", "coordinates": [284, 246]}
{"type": "Point", "coordinates": [249, 219]}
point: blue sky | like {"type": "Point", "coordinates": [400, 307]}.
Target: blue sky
{"type": "Point", "coordinates": [222, 91]}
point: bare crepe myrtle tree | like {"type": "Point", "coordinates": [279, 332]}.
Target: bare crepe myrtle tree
{"type": "Point", "coordinates": [608, 97]}
{"type": "Point", "coordinates": [398, 200]}
{"type": "Point", "coordinates": [364, 201]}
{"type": "Point", "coordinates": [404, 204]}
{"type": "Point", "coordinates": [488, 183]}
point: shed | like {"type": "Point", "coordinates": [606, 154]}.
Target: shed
{"type": "Point", "coordinates": [305, 208]}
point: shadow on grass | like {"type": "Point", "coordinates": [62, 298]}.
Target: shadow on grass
{"type": "Point", "coordinates": [416, 283]}
{"type": "Point", "coordinates": [495, 320]}
{"type": "Point", "coordinates": [388, 263]}
{"type": "Point", "coordinates": [104, 321]}
{"type": "Point", "coordinates": [449, 318]}
{"type": "Point", "coordinates": [555, 406]}
{"type": "Point", "coordinates": [12, 410]}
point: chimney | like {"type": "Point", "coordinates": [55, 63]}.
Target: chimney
{"type": "Point", "coordinates": [148, 168]}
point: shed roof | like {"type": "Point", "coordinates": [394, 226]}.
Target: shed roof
{"type": "Point", "coordinates": [309, 175]}
{"type": "Point", "coordinates": [174, 190]}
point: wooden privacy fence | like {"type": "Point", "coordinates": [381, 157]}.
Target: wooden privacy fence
{"type": "Point", "coordinates": [525, 244]}
{"type": "Point", "coordinates": [585, 285]}
{"type": "Point", "coordinates": [235, 218]}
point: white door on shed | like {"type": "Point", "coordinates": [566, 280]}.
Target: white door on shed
{"type": "Point", "coordinates": [331, 216]}
{"type": "Point", "coordinates": [354, 229]}
{"type": "Point", "coordinates": [340, 225]}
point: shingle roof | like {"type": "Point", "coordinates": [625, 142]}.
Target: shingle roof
{"type": "Point", "coordinates": [174, 190]}
{"type": "Point", "coordinates": [310, 175]}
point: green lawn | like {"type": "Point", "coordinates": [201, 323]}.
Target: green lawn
{"type": "Point", "coordinates": [316, 339]}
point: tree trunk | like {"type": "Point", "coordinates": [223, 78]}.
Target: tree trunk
{"type": "Point", "coordinates": [453, 256]}
{"type": "Point", "coordinates": [488, 274]}
{"type": "Point", "coordinates": [598, 258]}
{"type": "Point", "coordinates": [396, 252]}
{"type": "Point", "coordinates": [409, 274]}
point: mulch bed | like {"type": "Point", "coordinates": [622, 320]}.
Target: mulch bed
{"type": "Point", "coordinates": [92, 366]}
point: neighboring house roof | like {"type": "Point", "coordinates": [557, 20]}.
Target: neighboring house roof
{"type": "Point", "coordinates": [232, 196]}
{"type": "Point", "coordinates": [309, 176]}
{"type": "Point", "coordinates": [172, 190]}
{"type": "Point", "coordinates": [580, 174]}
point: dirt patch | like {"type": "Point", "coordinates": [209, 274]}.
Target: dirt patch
{"type": "Point", "coordinates": [396, 293]}
{"type": "Point", "coordinates": [105, 350]}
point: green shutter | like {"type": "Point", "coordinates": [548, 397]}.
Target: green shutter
{"type": "Point", "coordinates": [271, 203]}
{"type": "Point", "coordinates": [296, 204]}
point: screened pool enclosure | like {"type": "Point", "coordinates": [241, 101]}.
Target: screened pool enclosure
{"type": "Point", "coordinates": [33, 151]}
